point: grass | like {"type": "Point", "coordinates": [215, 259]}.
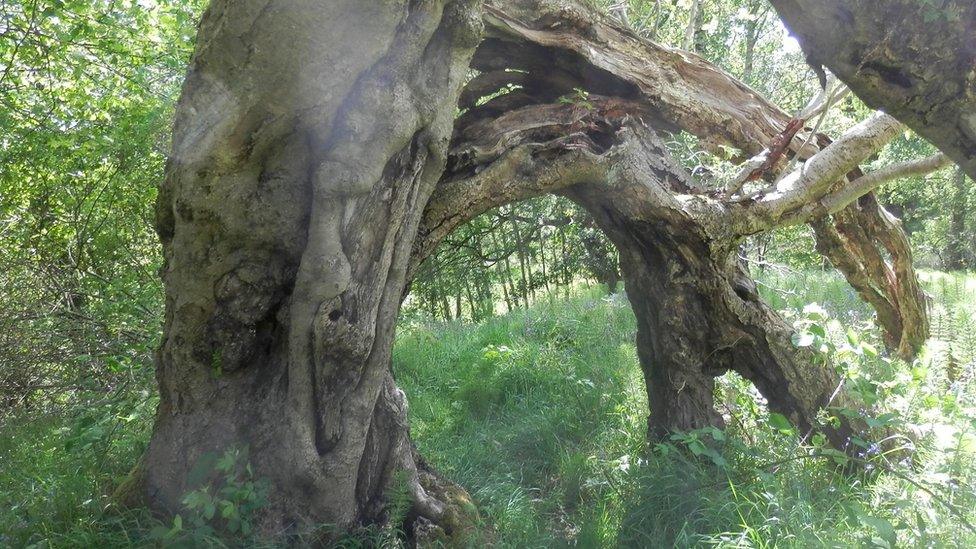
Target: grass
{"type": "Point", "coordinates": [540, 414]}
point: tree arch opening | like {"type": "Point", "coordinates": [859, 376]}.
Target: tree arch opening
{"type": "Point", "coordinates": [512, 256]}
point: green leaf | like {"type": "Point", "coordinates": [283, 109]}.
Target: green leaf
{"type": "Point", "coordinates": [882, 526]}
{"type": "Point", "coordinates": [780, 423]}
{"type": "Point", "coordinates": [869, 349]}
{"type": "Point", "coordinates": [226, 462]}
{"type": "Point", "coordinates": [228, 509]}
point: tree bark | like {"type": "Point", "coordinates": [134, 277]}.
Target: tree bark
{"type": "Point", "coordinates": [916, 60]}
{"type": "Point", "coordinates": [698, 312]}
{"type": "Point", "coordinates": [699, 316]}
{"type": "Point", "coordinates": [562, 46]}
{"type": "Point", "coordinates": [856, 244]}
{"type": "Point", "coordinates": [308, 181]}
{"type": "Point", "coordinates": [303, 156]}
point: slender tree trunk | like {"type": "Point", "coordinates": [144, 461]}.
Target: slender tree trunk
{"type": "Point", "coordinates": [656, 20]}
{"type": "Point", "coordinates": [957, 249]}
{"type": "Point", "coordinates": [432, 302]}
{"type": "Point", "coordinates": [619, 10]}
{"type": "Point", "coordinates": [303, 156]}
{"type": "Point", "coordinates": [505, 295]}
{"type": "Point", "coordinates": [567, 275]}
{"type": "Point", "coordinates": [471, 303]}
{"type": "Point", "coordinates": [752, 36]}
{"type": "Point", "coordinates": [507, 278]}
{"type": "Point", "coordinates": [694, 24]}
{"type": "Point", "coordinates": [445, 306]}
{"type": "Point", "coordinates": [520, 249]}
{"type": "Point", "coordinates": [542, 256]}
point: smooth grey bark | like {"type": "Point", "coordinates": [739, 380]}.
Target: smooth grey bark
{"type": "Point", "coordinates": [916, 60]}
{"type": "Point", "coordinates": [303, 156]}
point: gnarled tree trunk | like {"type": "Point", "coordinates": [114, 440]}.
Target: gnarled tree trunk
{"type": "Point", "coordinates": [308, 182]}
{"type": "Point", "coordinates": [550, 49]}
{"type": "Point", "coordinates": [308, 139]}
{"type": "Point", "coordinates": [698, 312]}
{"type": "Point", "coordinates": [914, 59]}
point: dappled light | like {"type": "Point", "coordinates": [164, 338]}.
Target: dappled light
{"type": "Point", "coordinates": [487, 273]}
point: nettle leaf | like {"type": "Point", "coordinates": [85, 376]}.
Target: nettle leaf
{"type": "Point", "coordinates": [780, 423]}
{"type": "Point", "coordinates": [884, 528]}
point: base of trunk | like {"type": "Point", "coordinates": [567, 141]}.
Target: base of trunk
{"type": "Point", "coordinates": [367, 486]}
{"type": "Point", "coordinates": [699, 316]}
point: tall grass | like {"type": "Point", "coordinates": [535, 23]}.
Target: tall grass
{"type": "Point", "coordinates": [541, 414]}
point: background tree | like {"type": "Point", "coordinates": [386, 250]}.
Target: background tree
{"type": "Point", "coordinates": [86, 98]}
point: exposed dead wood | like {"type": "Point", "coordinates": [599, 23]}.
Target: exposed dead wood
{"type": "Point", "coordinates": [566, 46]}
{"type": "Point", "coordinates": [698, 312]}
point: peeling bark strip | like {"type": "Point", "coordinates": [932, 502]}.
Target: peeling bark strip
{"type": "Point", "coordinates": [927, 80]}
{"type": "Point", "coordinates": [304, 155]}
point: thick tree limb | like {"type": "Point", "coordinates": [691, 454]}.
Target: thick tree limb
{"type": "Point", "coordinates": [565, 40]}
{"type": "Point", "coordinates": [565, 45]}
{"type": "Point", "coordinates": [815, 178]}
{"type": "Point", "coordinates": [698, 312]}
{"type": "Point", "coordinates": [856, 244]}
{"type": "Point", "coordinates": [916, 60]}
{"type": "Point", "coordinates": [861, 186]}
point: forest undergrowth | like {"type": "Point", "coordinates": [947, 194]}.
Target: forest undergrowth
{"type": "Point", "coordinates": [540, 414]}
